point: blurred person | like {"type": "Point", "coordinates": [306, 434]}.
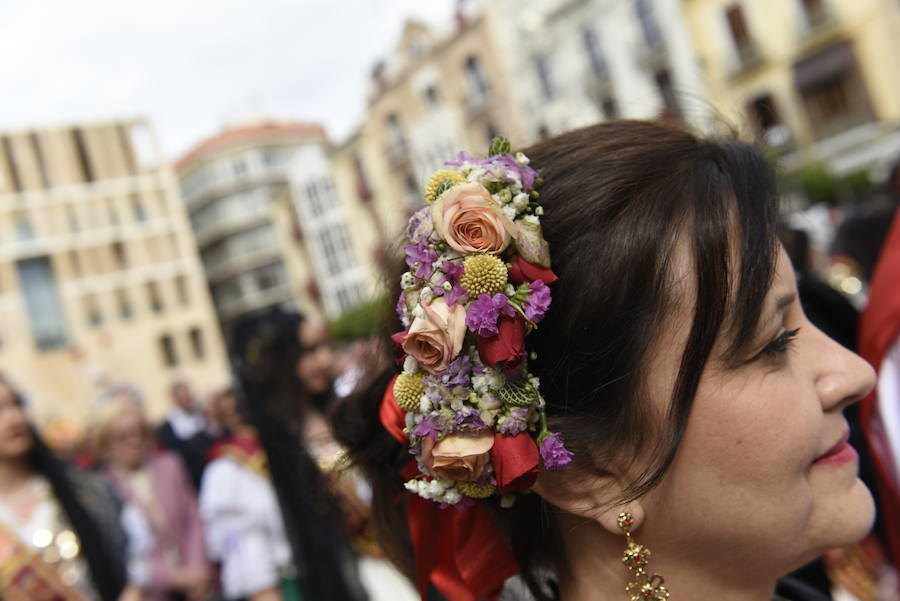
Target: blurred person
{"type": "Point", "coordinates": [283, 366]}
{"type": "Point", "coordinates": [61, 529]}
{"type": "Point", "coordinates": [245, 532]}
{"type": "Point", "coordinates": [184, 432]}
{"type": "Point", "coordinates": [156, 483]}
{"type": "Point", "coordinates": [353, 367]}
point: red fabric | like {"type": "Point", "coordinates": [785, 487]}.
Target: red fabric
{"type": "Point", "coordinates": [459, 550]}
{"type": "Point", "coordinates": [393, 418]}
{"type": "Point", "coordinates": [523, 271]}
{"type": "Point", "coordinates": [247, 442]}
{"type": "Point", "coordinates": [878, 332]}
{"type": "Point", "coordinates": [515, 460]}
{"type": "Point", "coordinates": [507, 348]}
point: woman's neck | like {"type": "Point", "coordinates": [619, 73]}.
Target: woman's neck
{"type": "Point", "coordinates": [596, 571]}
{"type": "Point", "coordinates": [14, 474]}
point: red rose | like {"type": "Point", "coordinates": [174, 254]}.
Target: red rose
{"type": "Point", "coordinates": [523, 271]}
{"type": "Point", "coordinates": [515, 461]}
{"type": "Point", "coordinates": [505, 349]}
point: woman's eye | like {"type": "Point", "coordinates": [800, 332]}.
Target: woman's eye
{"type": "Point", "coordinates": [780, 344]}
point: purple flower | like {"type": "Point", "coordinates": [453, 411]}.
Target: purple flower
{"type": "Point", "coordinates": [526, 173]}
{"type": "Point", "coordinates": [419, 226]}
{"type": "Point", "coordinates": [458, 372]}
{"type": "Point", "coordinates": [420, 257]}
{"type": "Point", "coordinates": [426, 427]}
{"type": "Point", "coordinates": [452, 272]}
{"type": "Point", "coordinates": [555, 455]}
{"type": "Point", "coordinates": [400, 308]}
{"type": "Point", "coordinates": [469, 419]}
{"type": "Point", "coordinates": [538, 301]}
{"type": "Point", "coordinates": [482, 314]}
{"type": "Point", "coordinates": [515, 422]}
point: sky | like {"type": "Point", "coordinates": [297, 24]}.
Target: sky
{"type": "Point", "coordinates": [192, 65]}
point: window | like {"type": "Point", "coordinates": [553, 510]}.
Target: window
{"type": "Point", "coordinates": [120, 258]}
{"type": "Point", "coordinates": [39, 159]}
{"type": "Point", "coordinates": [667, 92]}
{"type": "Point", "coordinates": [92, 311]}
{"type": "Point", "coordinates": [647, 20]}
{"type": "Point", "coordinates": [137, 209]}
{"type": "Point", "coordinates": [173, 245]}
{"type": "Point", "coordinates": [124, 304]}
{"type": "Point", "coordinates": [24, 229]}
{"type": "Point", "coordinates": [268, 277]}
{"type": "Point", "coordinates": [362, 183]}
{"type": "Point", "coordinates": [814, 10]}
{"type": "Point", "coordinates": [72, 217]}
{"type": "Point", "coordinates": [610, 109]}
{"type": "Point", "coordinates": [317, 207]}
{"type": "Point", "coordinates": [196, 338]}
{"type": "Point", "coordinates": [542, 69]}
{"type": "Point", "coordinates": [45, 312]}
{"type": "Point", "coordinates": [181, 290]}
{"type": "Point", "coordinates": [395, 133]}
{"type": "Point", "coordinates": [75, 262]}
{"type": "Point", "coordinates": [153, 297]}
{"type": "Point", "coordinates": [477, 82]}
{"type": "Point", "coordinates": [592, 49]}
{"type": "Point", "coordinates": [167, 349]}
{"type": "Point", "coordinates": [740, 33]}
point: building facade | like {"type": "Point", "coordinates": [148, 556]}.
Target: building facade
{"type": "Point", "coordinates": [269, 224]}
{"type": "Point", "coordinates": [815, 79]}
{"type": "Point", "coordinates": [99, 279]}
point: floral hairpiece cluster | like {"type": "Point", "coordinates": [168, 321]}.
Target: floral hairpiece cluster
{"type": "Point", "coordinates": [477, 284]}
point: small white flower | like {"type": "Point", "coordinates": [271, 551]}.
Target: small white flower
{"type": "Point", "coordinates": [480, 383]}
{"type": "Point", "coordinates": [424, 404]}
{"type": "Point", "coordinates": [411, 486]}
{"type": "Point", "coordinates": [522, 159]}
{"type": "Point", "coordinates": [509, 290]}
{"type": "Point", "coordinates": [426, 295]}
{"type": "Point", "coordinates": [410, 365]}
{"type": "Point", "coordinates": [476, 174]}
{"type": "Point", "coordinates": [488, 401]}
{"type": "Point", "coordinates": [417, 419]}
{"type": "Point", "coordinates": [410, 421]}
{"type": "Point", "coordinates": [531, 220]}
{"type": "Point", "coordinates": [520, 201]}
{"type": "Point", "coordinates": [452, 496]}
{"type": "Point", "coordinates": [509, 211]}
{"type": "Point", "coordinates": [418, 311]}
{"type": "Point", "coordinates": [436, 487]}
{"type": "Point", "coordinates": [535, 381]}
{"type": "Point", "coordinates": [447, 286]}
{"type": "Point", "coordinates": [539, 211]}
{"type": "Point", "coordinates": [407, 280]}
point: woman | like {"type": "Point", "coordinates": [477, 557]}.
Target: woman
{"type": "Point", "coordinates": [60, 535]}
{"type": "Point", "coordinates": [245, 532]}
{"type": "Point", "coordinates": [155, 483]}
{"type": "Point", "coordinates": [695, 410]}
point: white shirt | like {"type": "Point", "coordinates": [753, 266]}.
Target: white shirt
{"type": "Point", "coordinates": [243, 527]}
{"type": "Point", "coordinates": [186, 424]}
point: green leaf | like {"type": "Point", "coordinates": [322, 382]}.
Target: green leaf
{"type": "Point", "coordinates": [499, 145]}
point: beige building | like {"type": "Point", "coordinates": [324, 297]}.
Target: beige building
{"type": "Point", "coordinates": [438, 93]}
{"type": "Point", "coordinates": [816, 79]}
{"type": "Point", "coordinates": [99, 279]}
{"type": "Point", "coordinates": [270, 223]}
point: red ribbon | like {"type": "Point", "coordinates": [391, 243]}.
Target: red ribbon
{"type": "Point", "coordinates": [457, 549]}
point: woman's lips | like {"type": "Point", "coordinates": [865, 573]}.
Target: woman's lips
{"type": "Point", "coordinates": [840, 452]}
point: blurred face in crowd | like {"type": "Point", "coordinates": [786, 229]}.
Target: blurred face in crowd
{"type": "Point", "coordinates": [228, 412]}
{"type": "Point", "coordinates": [15, 435]}
{"type": "Point", "coordinates": [316, 366]}
{"type": "Point", "coordinates": [181, 394]}
{"type": "Point", "coordinates": [126, 437]}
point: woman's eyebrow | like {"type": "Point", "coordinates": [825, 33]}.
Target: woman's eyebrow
{"type": "Point", "coordinates": [785, 301]}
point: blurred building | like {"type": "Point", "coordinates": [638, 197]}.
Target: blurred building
{"type": "Point", "coordinates": [439, 92]}
{"type": "Point", "coordinates": [816, 79]}
{"type": "Point", "coordinates": [578, 62]}
{"type": "Point", "coordinates": [99, 279]}
{"type": "Point", "coordinates": [269, 223]}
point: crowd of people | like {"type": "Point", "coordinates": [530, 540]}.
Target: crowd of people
{"type": "Point", "coordinates": [240, 497]}
{"type": "Point", "coordinates": [693, 385]}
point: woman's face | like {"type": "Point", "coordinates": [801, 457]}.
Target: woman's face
{"type": "Point", "coordinates": [763, 480]}
{"type": "Point", "coordinates": [126, 439]}
{"type": "Point", "coordinates": [316, 365]}
{"type": "Point", "coordinates": [15, 435]}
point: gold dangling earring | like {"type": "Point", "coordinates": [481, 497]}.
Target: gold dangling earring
{"type": "Point", "coordinates": [644, 587]}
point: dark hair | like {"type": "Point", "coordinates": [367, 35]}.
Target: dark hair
{"type": "Point", "coordinates": [618, 198]}
{"type": "Point", "coordinates": [106, 570]}
{"type": "Point", "coordinates": [265, 352]}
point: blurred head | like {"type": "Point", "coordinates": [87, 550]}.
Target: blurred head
{"type": "Point", "coordinates": [182, 396]}
{"type": "Point", "coordinates": [678, 365]}
{"type": "Point", "coordinates": [15, 434]}
{"type": "Point", "coordinates": [229, 412]}
{"type": "Point", "coordinates": [315, 367]}
{"type": "Point", "coordinates": [121, 431]}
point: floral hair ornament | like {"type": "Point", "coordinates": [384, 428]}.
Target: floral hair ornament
{"type": "Point", "coordinates": [465, 403]}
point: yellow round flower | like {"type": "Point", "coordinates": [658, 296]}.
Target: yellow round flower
{"type": "Point", "coordinates": [476, 490]}
{"type": "Point", "coordinates": [483, 274]}
{"type": "Point", "coordinates": [440, 181]}
{"type": "Point", "coordinates": [408, 389]}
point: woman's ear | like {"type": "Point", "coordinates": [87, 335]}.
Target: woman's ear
{"type": "Point", "coordinates": [591, 496]}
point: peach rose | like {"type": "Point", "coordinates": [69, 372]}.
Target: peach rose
{"type": "Point", "coordinates": [458, 456]}
{"type": "Point", "coordinates": [470, 221]}
{"type": "Point", "coordinates": [436, 338]}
